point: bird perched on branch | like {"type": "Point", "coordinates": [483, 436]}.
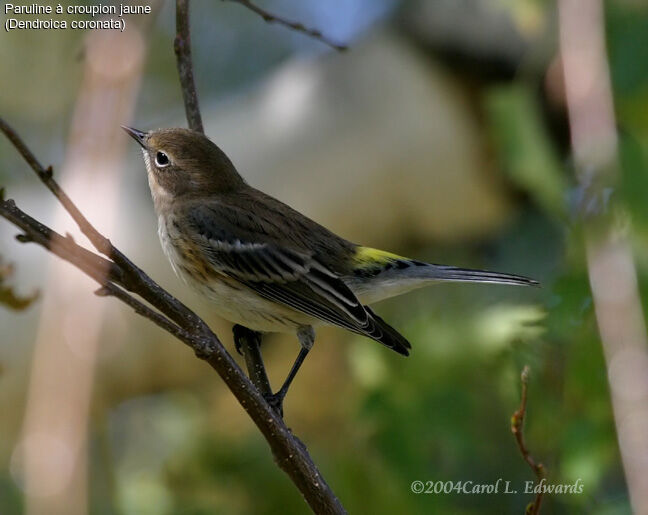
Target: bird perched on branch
{"type": "Point", "coordinates": [266, 266]}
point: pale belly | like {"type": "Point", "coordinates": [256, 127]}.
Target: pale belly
{"type": "Point", "coordinates": [240, 305]}
{"type": "Point", "coordinates": [232, 300]}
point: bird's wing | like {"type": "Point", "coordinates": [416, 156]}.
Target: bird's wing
{"type": "Point", "coordinates": [281, 274]}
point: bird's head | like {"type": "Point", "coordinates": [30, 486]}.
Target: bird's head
{"type": "Point", "coordinates": [184, 162]}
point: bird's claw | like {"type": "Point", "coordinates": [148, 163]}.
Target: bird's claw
{"type": "Point", "coordinates": [240, 332]}
{"type": "Point", "coordinates": [275, 400]}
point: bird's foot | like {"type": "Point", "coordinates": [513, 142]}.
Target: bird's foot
{"type": "Point", "coordinates": [276, 402]}
{"type": "Point", "coordinates": [240, 333]}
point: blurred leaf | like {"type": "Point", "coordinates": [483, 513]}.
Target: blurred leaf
{"type": "Point", "coordinates": [7, 295]}
{"type": "Point", "coordinates": [523, 146]}
{"type": "Point", "coordinates": [498, 325]}
{"type": "Point", "coordinates": [634, 178]}
{"type": "Point", "coordinates": [627, 46]}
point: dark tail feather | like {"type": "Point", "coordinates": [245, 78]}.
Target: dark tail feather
{"type": "Point", "coordinates": [383, 333]}
{"type": "Point", "coordinates": [452, 273]}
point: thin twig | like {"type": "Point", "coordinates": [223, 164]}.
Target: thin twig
{"type": "Point", "coordinates": [182, 49]}
{"type": "Point", "coordinates": [293, 25]}
{"type": "Point", "coordinates": [517, 427]}
{"type": "Point", "coordinates": [45, 175]}
{"type": "Point", "coordinates": [93, 265]}
{"type": "Point", "coordinates": [289, 452]}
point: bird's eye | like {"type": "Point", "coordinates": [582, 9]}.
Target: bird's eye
{"type": "Point", "coordinates": [161, 159]}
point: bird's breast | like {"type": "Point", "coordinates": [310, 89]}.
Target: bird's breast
{"type": "Point", "coordinates": [232, 300]}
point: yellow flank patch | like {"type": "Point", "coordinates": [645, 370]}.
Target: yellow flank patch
{"type": "Point", "coordinates": [368, 256]}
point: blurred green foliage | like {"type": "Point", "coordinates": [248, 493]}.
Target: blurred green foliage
{"type": "Point", "coordinates": [524, 147]}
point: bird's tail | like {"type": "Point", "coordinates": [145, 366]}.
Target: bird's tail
{"type": "Point", "coordinates": [453, 273]}
{"type": "Point", "coordinates": [379, 275]}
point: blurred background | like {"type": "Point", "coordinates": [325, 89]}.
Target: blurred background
{"type": "Point", "coordinates": [442, 134]}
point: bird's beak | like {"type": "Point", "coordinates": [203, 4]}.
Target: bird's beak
{"type": "Point", "coordinates": [137, 135]}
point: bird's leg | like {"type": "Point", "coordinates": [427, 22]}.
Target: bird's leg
{"type": "Point", "coordinates": [248, 344]}
{"type": "Point", "coordinates": [241, 334]}
{"type": "Point", "coordinates": [306, 336]}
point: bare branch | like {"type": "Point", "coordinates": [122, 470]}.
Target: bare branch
{"type": "Point", "coordinates": [112, 290]}
{"type": "Point", "coordinates": [45, 175]}
{"type": "Point", "coordinates": [98, 268]}
{"type": "Point", "coordinates": [93, 265]}
{"type": "Point", "coordinates": [517, 427]}
{"type": "Point", "coordinates": [293, 25]}
{"type": "Point", "coordinates": [182, 49]}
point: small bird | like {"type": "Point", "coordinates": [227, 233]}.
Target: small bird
{"type": "Point", "coordinates": [266, 266]}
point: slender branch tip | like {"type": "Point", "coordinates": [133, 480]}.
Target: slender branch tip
{"type": "Point", "coordinates": [269, 17]}
{"type": "Point", "coordinates": [517, 428]}
{"type": "Point", "coordinates": [24, 238]}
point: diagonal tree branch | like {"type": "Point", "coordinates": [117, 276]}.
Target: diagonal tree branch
{"type": "Point", "coordinates": [96, 267]}
{"type": "Point", "coordinates": [293, 25]}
